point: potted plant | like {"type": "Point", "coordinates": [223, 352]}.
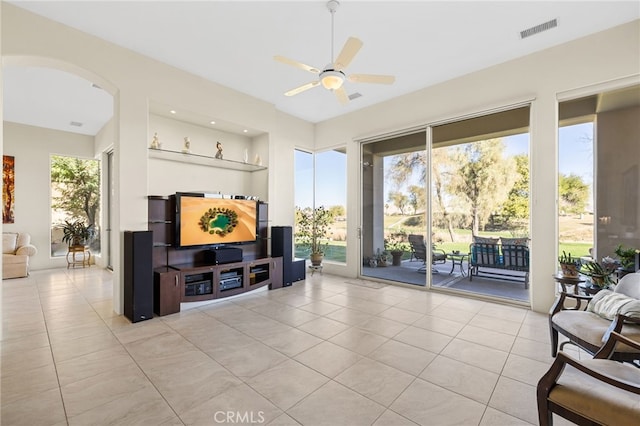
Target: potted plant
{"type": "Point", "coordinates": [569, 265]}
{"type": "Point", "coordinates": [600, 274]}
{"type": "Point", "coordinates": [628, 258]}
{"type": "Point", "coordinates": [382, 257]}
{"type": "Point", "coordinates": [396, 245]}
{"type": "Point", "coordinates": [312, 231]}
{"type": "Point", "coordinates": [76, 233]}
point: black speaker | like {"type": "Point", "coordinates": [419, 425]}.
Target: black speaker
{"type": "Point", "coordinates": [282, 242]}
{"type": "Point", "coordinates": [220, 255]}
{"type": "Point", "coordinates": [138, 275]}
{"type": "Point", "coordinates": [282, 246]}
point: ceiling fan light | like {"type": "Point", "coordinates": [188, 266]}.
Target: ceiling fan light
{"type": "Point", "coordinates": [332, 80]}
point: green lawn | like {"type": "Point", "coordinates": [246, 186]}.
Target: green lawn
{"type": "Point", "coordinates": [336, 251]}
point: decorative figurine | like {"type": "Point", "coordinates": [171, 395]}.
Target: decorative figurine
{"type": "Point", "coordinates": [246, 155]}
{"type": "Point", "coordinates": [257, 160]}
{"type": "Point", "coordinates": [219, 153]}
{"type": "Point", "coordinates": [155, 144]}
{"type": "Point", "coordinates": [187, 146]}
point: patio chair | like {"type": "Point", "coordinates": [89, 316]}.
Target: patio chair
{"type": "Point", "coordinates": [594, 391]}
{"type": "Point", "coordinates": [419, 251]}
{"type": "Point", "coordinates": [586, 325]}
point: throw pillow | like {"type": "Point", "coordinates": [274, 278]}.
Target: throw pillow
{"type": "Point", "coordinates": [485, 240]}
{"type": "Point", "coordinates": [9, 243]}
{"type": "Point", "coordinates": [607, 304]}
{"type": "Point", "coordinates": [514, 241]}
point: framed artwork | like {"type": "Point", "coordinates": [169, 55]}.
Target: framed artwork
{"type": "Point", "coordinates": [8, 188]}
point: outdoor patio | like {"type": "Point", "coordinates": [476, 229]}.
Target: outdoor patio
{"type": "Point", "coordinates": [443, 277]}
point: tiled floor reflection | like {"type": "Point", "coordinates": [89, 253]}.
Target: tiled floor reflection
{"type": "Point", "coordinates": [327, 351]}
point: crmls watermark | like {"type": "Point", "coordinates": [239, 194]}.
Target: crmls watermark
{"type": "Point", "coordinates": [234, 417]}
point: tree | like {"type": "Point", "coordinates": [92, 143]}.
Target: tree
{"type": "Point", "coordinates": [399, 199]}
{"type": "Point", "coordinates": [484, 178]}
{"type": "Point", "coordinates": [76, 187]}
{"type": "Point", "coordinates": [574, 193]}
{"type": "Point", "coordinates": [337, 211]}
{"type": "Point", "coordinates": [403, 166]}
{"type": "Point", "coordinates": [517, 205]}
{"type": "Point", "coordinates": [417, 198]}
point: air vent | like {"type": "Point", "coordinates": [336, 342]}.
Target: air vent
{"type": "Point", "coordinates": [354, 96]}
{"type": "Point", "coordinates": [76, 124]}
{"type": "Point", "coordinates": [95, 86]}
{"type": "Point", "coordinates": [539, 28]}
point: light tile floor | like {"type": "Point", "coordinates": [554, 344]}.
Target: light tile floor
{"type": "Point", "coordinates": [327, 351]}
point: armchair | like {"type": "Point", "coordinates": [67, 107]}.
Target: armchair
{"type": "Point", "coordinates": [587, 328]}
{"type": "Point", "coordinates": [595, 391]}
{"type": "Point", "coordinates": [16, 251]}
{"type": "Point", "coordinates": [419, 251]}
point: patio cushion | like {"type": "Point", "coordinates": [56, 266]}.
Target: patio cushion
{"type": "Point", "coordinates": [514, 241]}
{"type": "Point", "coordinates": [485, 240]}
{"type": "Point", "coordinates": [515, 255]}
{"type": "Point", "coordinates": [486, 253]}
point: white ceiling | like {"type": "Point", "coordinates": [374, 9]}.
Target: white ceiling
{"type": "Point", "coordinates": [233, 43]}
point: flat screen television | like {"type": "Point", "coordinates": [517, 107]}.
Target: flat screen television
{"type": "Point", "coordinates": [213, 219]}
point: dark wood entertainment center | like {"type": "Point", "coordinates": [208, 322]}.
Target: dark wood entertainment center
{"type": "Point", "coordinates": [183, 275]}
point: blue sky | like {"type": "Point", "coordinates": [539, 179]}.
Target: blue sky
{"type": "Point", "coordinates": [575, 156]}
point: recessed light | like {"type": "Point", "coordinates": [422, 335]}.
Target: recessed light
{"type": "Point", "coordinates": [213, 122]}
{"type": "Point", "coordinates": [172, 112]}
{"type": "Point", "coordinates": [245, 130]}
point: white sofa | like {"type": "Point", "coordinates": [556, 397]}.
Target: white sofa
{"type": "Point", "coordinates": [16, 251]}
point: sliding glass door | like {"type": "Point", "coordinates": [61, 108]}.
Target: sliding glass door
{"type": "Point", "coordinates": [431, 203]}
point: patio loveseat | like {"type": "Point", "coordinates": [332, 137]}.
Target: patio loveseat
{"type": "Point", "coordinates": [495, 257]}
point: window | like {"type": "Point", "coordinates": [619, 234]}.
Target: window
{"type": "Point", "coordinates": [321, 181]}
{"type": "Point", "coordinates": [75, 196]}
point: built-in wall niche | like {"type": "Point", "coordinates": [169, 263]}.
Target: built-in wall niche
{"type": "Point", "coordinates": [202, 141]}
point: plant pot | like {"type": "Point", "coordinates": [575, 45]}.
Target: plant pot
{"type": "Point", "coordinates": [316, 259]}
{"type": "Point", "coordinates": [397, 257]}
{"type": "Point", "coordinates": [599, 281]}
{"type": "Point", "coordinates": [569, 270]}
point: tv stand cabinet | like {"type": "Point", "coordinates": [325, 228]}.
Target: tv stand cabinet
{"type": "Point", "coordinates": [198, 282]}
{"type": "Point", "coordinates": [183, 275]}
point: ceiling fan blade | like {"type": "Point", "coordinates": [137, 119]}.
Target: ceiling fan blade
{"type": "Point", "coordinates": [372, 78]}
{"type": "Point", "coordinates": [302, 88]}
{"type": "Point", "coordinates": [341, 94]}
{"type": "Point", "coordinates": [296, 64]}
{"type": "Point", "coordinates": [351, 47]}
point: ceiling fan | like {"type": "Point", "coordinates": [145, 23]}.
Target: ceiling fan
{"type": "Point", "coordinates": [333, 76]}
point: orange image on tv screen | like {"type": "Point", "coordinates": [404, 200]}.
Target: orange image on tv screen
{"type": "Point", "coordinates": [216, 221]}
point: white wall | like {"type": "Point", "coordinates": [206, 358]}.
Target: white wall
{"type": "Point", "coordinates": [32, 148]}
{"type": "Point", "coordinates": [133, 80]}
{"type": "Point", "coordinates": [167, 177]}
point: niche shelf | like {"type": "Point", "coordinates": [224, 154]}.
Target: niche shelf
{"type": "Point", "coordinates": [204, 160]}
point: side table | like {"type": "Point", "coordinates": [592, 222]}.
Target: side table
{"type": "Point", "coordinates": [565, 281]}
{"type": "Point", "coordinates": [78, 255]}
{"type": "Point", "coordinates": [456, 260]}
{"type": "Point", "coordinates": [314, 268]}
